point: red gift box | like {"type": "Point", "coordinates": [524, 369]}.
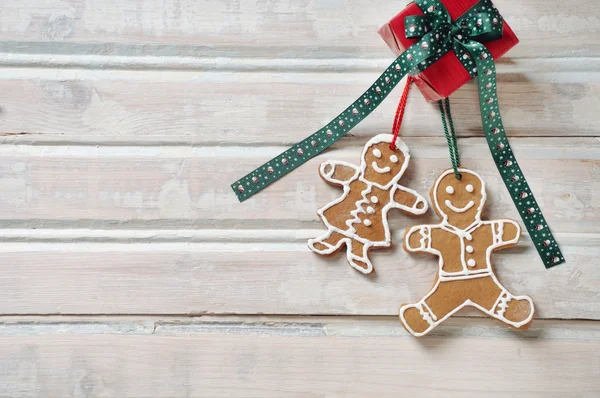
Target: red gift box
{"type": "Point", "coordinates": [446, 75]}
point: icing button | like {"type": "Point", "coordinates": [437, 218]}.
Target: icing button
{"type": "Point", "coordinates": [471, 263]}
{"type": "Point", "coordinates": [368, 223]}
{"type": "Point", "coordinates": [374, 199]}
{"type": "Point", "coordinates": [470, 249]}
{"type": "Point", "coordinates": [370, 210]}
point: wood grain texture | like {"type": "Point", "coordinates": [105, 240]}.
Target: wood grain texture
{"type": "Point", "coordinates": [197, 273]}
{"type": "Point", "coordinates": [289, 28]}
{"type": "Point", "coordinates": [266, 108]}
{"type": "Point", "coordinates": [185, 187]}
{"type": "Point", "coordinates": [303, 357]}
{"type": "Point", "coordinates": [122, 124]}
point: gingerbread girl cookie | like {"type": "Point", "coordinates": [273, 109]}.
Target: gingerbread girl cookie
{"type": "Point", "coordinates": [358, 218]}
{"type": "Point", "coordinates": [464, 245]}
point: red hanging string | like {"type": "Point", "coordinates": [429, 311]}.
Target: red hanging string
{"type": "Point", "coordinates": [400, 112]}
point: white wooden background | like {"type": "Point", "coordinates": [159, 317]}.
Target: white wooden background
{"type": "Point", "coordinates": [128, 269]}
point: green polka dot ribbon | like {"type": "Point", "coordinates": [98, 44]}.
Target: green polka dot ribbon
{"type": "Point", "coordinates": [437, 34]}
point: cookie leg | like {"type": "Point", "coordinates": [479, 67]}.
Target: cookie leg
{"type": "Point", "coordinates": [442, 301]}
{"type": "Point", "coordinates": [358, 256]}
{"type": "Point", "coordinates": [329, 243]}
{"type": "Point", "coordinates": [491, 297]}
{"type": "Point", "coordinates": [515, 311]}
{"type": "Point", "coordinates": [418, 319]}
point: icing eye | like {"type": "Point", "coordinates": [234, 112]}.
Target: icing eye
{"type": "Point", "coordinates": [394, 159]}
{"type": "Point", "coordinates": [377, 153]}
{"type": "Point", "coordinates": [450, 190]}
{"type": "Point", "coordinates": [470, 188]}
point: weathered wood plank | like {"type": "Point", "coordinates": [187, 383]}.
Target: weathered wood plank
{"type": "Point", "coordinates": [196, 272]}
{"type": "Point", "coordinates": [287, 28]}
{"type": "Point", "coordinates": [181, 97]}
{"type": "Point", "coordinates": [258, 108]}
{"type": "Point", "coordinates": [185, 187]}
{"type": "Point", "coordinates": [305, 357]}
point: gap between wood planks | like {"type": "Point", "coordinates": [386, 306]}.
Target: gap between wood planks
{"type": "Point", "coordinates": [251, 64]}
{"type": "Point", "coordinates": [277, 325]}
{"type": "Point", "coordinates": [567, 147]}
{"type": "Point", "coordinates": [28, 139]}
{"type": "Point", "coordinates": [67, 234]}
{"type": "Point", "coordinates": [547, 70]}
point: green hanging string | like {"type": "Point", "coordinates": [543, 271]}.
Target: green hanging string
{"type": "Point", "coordinates": [450, 136]}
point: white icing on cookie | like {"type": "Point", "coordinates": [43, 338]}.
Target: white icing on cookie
{"type": "Point", "coordinates": [482, 193]}
{"type": "Point", "coordinates": [394, 159]}
{"type": "Point", "coordinates": [331, 242]}
{"type": "Point", "coordinates": [469, 188]}
{"type": "Point", "coordinates": [469, 270]}
{"type": "Point", "coordinates": [381, 170]}
{"type": "Point", "coordinates": [450, 190]}
{"type": "Point", "coordinates": [459, 209]}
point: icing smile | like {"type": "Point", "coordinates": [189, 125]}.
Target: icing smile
{"type": "Point", "coordinates": [459, 209]}
{"type": "Point", "coordinates": [380, 170]}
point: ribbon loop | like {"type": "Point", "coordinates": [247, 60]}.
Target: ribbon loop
{"type": "Point", "coordinates": [435, 12]}
{"type": "Point", "coordinates": [481, 23]}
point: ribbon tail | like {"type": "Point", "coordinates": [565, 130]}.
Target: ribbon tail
{"type": "Point", "coordinates": [506, 162]}
{"type": "Point", "coordinates": [313, 145]}
{"type": "Point", "coordinates": [328, 135]}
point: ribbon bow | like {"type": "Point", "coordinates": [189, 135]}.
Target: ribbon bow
{"type": "Point", "coordinates": [464, 36]}
{"type": "Point", "coordinates": [437, 35]}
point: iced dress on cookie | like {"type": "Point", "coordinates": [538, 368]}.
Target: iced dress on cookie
{"type": "Point", "coordinates": [358, 218]}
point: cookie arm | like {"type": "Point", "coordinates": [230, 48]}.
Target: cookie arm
{"type": "Point", "coordinates": [506, 233]}
{"type": "Point", "coordinates": [418, 239]}
{"type": "Point", "coordinates": [409, 201]}
{"type": "Point", "coordinates": [337, 172]}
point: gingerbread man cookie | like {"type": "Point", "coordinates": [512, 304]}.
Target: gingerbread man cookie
{"type": "Point", "coordinates": [464, 245]}
{"type": "Point", "coordinates": [358, 218]}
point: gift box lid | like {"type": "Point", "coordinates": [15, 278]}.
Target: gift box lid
{"type": "Point", "coordinates": [446, 75]}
